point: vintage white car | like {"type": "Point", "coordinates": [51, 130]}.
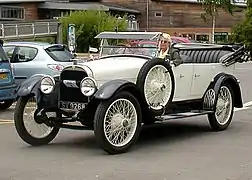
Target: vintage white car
{"type": "Point", "coordinates": [129, 86]}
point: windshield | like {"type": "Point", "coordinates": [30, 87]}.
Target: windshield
{"type": "Point", "coordinates": [3, 56]}
{"type": "Point", "coordinates": [59, 53]}
{"type": "Point", "coordinates": [127, 46]}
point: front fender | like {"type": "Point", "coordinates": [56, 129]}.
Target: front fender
{"type": "Point", "coordinates": [110, 87]}
{"type": "Point", "coordinates": [30, 85]}
{"type": "Point", "coordinates": [235, 86]}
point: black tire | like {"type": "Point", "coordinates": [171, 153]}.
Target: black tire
{"type": "Point", "coordinates": [215, 125]}
{"type": "Point", "coordinates": [6, 104]}
{"type": "Point", "coordinates": [99, 123]}
{"type": "Point", "coordinates": [141, 81]}
{"type": "Point", "coordinates": [20, 127]}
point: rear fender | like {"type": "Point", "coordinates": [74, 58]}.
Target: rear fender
{"type": "Point", "coordinates": [230, 79]}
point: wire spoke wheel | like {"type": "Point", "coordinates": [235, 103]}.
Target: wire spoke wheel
{"type": "Point", "coordinates": [224, 105]}
{"type": "Point", "coordinates": [32, 132]}
{"type": "Point", "coordinates": [37, 130]}
{"type": "Point", "coordinates": [157, 87]}
{"type": "Point", "coordinates": [117, 122]}
{"type": "Point", "coordinates": [120, 122]}
{"type": "Point", "coordinates": [224, 109]}
{"type": "Point", "coordinates": [156, 84]}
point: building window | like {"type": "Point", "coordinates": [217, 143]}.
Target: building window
{"type": "Point", "coordinates": [221, 37]}
{"type": "Point", "coordinates": [158, 14]}
{"type": "Point", "coordinates": [204, 38]}
{"type": "Point", "coordinates": [10, 12]}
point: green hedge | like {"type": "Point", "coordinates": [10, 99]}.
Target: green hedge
{"type": "Point", "coordinates": [88, 25]}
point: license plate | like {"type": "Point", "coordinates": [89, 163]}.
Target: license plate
{"type": "Point", "coordinates": [3, 76]}
{"type": "Point", "coordinates": [72, 105]}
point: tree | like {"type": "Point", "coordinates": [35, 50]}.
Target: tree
{"type": "Point", "coordinates": [242, 33]}
{"type": "Point", "coordinates": [88, 24]}
{"type": "Point", "coordinates": [211, 8]}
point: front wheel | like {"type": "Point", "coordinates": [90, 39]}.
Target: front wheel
{"type": "Point", "coordinates": [223, 114]}
{"type": "Point", "coordinates": [28, 129]}
{"type": "Point", "coordinates": [117, 123]}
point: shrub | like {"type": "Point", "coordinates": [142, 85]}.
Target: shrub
{"type": "Point", "coordinates": [88, 24]}
{"type": "Point", "coordinates": [242, 33]}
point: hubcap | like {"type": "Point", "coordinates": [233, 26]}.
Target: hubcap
{"type": "Point", "coordinates": [120, 122]}
{"type": "Point", "coordinates": [36, 130]}
{"type": "Point", "coordinates": [158, 87]}
{"type": "Point", "coordinates": [223, 106]}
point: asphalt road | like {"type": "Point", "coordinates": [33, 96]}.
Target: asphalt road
{"type": "Point", "coordinates": [178, 150]}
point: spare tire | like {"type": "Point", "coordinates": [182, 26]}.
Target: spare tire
{"type": "Point", "coordinates": [156, 84]}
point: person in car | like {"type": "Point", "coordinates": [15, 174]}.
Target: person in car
{"type": "Point", "coordinates": [165, 45]}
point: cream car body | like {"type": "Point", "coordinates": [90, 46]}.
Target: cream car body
{"type": "Point", "coordinates": [128, 86]}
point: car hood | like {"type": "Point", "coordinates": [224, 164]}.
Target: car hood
{"type": "Point", "coordinates": [123, 67]}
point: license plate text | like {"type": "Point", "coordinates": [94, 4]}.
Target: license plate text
{"type": "Point", "coordinates": [72, 105]}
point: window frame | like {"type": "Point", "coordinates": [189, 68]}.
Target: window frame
{"type": "Point", "coordinates": [16, 8]}
{"type": "Point", "coordinates": [14, 50]}
{"type": "Point", "coordinates": [158, 12]}
{"type": "Point", "coordinates": [17, 52]}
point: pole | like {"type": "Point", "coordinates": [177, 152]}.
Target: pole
{"type": "Point", "coordinates": [213, 29]}
{"type": "Point", "coordinates": [214, 21]}
{"type": "Point", "coordinates": [147, 15]}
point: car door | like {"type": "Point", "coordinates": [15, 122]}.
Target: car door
{"type": "Point", "coordinates": [22, 62]}
{"type": "Point", "coordinates": [202, 76]}
{"type": "Point", "coordinates": [183, 80]}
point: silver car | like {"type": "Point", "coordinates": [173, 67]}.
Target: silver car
{"type": "Point", "coordinates": [29, 58]}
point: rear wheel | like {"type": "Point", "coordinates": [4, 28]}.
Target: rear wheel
{"type": "Point", "coordinates": [29, 130]}
{"type": "Point", "coordinates": [117, 123]}
{"type": "Point", "coordinates": [222, 117]}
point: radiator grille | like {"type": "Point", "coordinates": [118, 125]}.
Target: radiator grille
{"type": "Point", "coordinates": [72, 94]}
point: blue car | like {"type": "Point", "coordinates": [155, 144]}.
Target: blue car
{"type": "Point", "coordinates": [7, 83]}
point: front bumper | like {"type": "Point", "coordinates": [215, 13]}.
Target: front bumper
{"type": "Point", "coordinates": [8, 92]}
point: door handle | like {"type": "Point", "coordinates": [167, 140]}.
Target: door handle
{"type": "Point", "coordinates": [180, 76]}
{"type": "Point", "coordinates": [196, 75]}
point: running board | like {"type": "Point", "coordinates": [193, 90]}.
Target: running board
{"type": "Point", "coordinates": [182, 115]}
{"type": "Point", "coordinates": [73, 127]}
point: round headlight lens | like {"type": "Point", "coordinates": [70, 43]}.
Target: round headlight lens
{"type": "Point", "coordinates": [47, 84]}
{"type": "Point", "coordinates": [88, 86]}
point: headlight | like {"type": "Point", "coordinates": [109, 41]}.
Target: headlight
{"type": "Point", "coordinates": [47, 84]}
{"type": "Point", "coordinates": [88, 86]}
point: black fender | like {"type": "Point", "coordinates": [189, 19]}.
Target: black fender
{"type": "Point", "coordinates": [222, 78]}
{"type": "Point", "coordinates": [109, 88]}
{"type": "Point", "coordinates": [31, 87]}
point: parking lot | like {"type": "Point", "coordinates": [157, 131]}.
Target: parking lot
{"type": "Point", "coordinates": [178, 150]}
